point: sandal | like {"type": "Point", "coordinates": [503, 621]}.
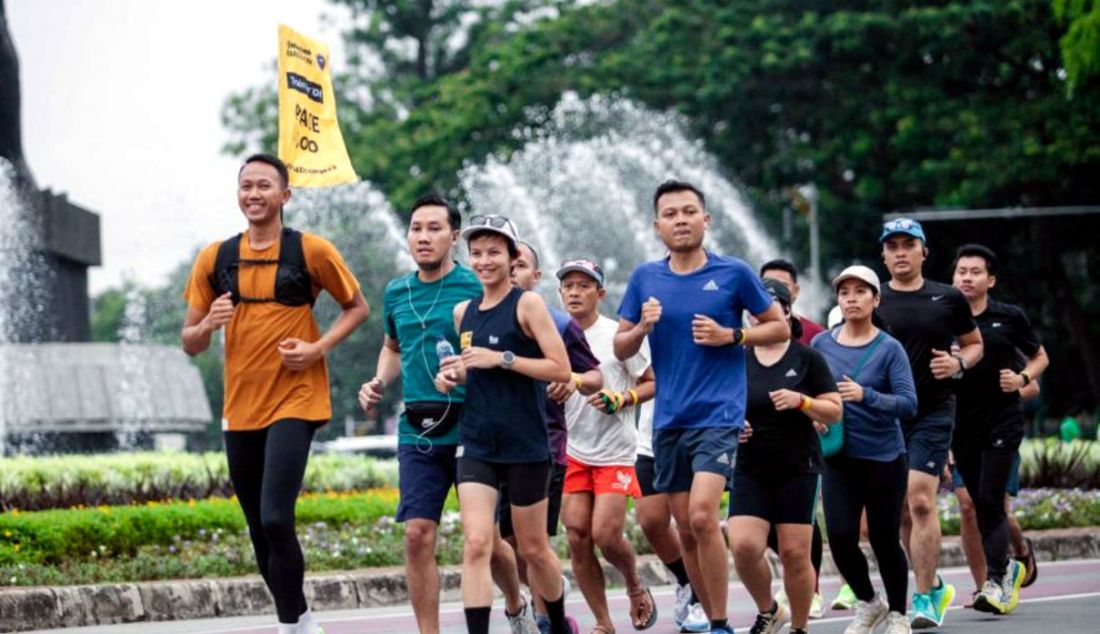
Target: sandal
{"type": "Point", "coordinates": [638, 616]}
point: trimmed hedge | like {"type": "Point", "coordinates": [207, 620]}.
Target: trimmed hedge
{"type": "Point", "coordinates": [32, 483]}
{"type": "Point", "coordinates": [51, 537]}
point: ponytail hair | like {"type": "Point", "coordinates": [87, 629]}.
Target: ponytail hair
{"type": "Point", "coordinates": [796, 327]}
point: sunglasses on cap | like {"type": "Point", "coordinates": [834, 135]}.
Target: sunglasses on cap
{"type": "Point", "coordinates": [490, 220]}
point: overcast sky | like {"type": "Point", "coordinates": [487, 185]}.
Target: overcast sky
{"type": "Point", "coordinates": [121, 105]}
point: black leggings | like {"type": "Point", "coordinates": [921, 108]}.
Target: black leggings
{"type": "Point", "coordinates": [266, 467]}
{"type": "Point", "coordinates": [816, 548]}
{"type": "Point", "coordinates": [985, 466]}
{"type": "Point", "coordinates": [850, 485]}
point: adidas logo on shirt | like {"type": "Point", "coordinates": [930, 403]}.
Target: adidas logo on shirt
{"type": "Point", "coordinates": [791, 373]}
{"type": "Point", "coordinates": [710, 286]}
{"type": "Point", "coordinates": [493, 340]}
{"type": "Point", "coordinates": [723, 459]}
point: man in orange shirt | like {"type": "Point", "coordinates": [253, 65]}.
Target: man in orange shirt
{"type": "Point", "coordinates": [261, 285]}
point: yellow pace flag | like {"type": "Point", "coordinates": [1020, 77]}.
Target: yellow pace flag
{"type": "Point", "coordinates": [310, 142]}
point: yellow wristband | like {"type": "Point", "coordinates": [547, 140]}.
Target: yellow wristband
{"type": "Point", "coordinates": [806, 404]}
{"type": "Point", "coordinates": [577, 380]}
{"type": "Point", "coordinates": [634, 396]}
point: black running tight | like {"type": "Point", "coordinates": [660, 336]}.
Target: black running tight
{"type": "Point", "coordinates": [266, 467]}
{"type": "Point", "coordinates": [849, 486]}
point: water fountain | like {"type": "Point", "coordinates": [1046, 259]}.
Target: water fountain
{"type": "Point", "coordinates": [56, 391]}
{"type": "Point", "coordinates": [582, 185]}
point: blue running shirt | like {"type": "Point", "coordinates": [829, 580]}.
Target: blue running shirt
{"type": "Point", "coordinates": [697, 386]}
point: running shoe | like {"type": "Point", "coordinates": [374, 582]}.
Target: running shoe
{"type": "Point", "coordinates": [683, 604]}
{"type": "Point", "coordinates": [542, 622]}
{"type": "Point", "coordinates": [696, 620]}
{"type": "Point", "coordinates": [772, 622]}
{"type": "Point", "coordinates": [897, 623]}
{"type": "Point", "coordinates": [1029, 563]}
{"type": "Point", "coordinates": [521, 622]}
{"type": "Point", "coordinates": [845, 598]}
{"type": "Point", "coordinates": [942, 595]}
{"type": "Point", "coordinates": [722, 629]}
{"type": "Point", "coordinates": [924, 613]}
{"type": "Point", "coordinates": [817, 606]}
{"type": "Point", "coordinates": [990, 599]}
{"type": "Point", "coordinates": [1013, 581]}
{"type": "Point", "coordinates": [869, 615]}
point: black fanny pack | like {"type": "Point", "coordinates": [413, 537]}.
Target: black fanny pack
{"type": "Point", "coordinates": [432, 419]}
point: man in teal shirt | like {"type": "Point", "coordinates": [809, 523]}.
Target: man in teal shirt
{"type": "Point", "coordinates": [419, 317]}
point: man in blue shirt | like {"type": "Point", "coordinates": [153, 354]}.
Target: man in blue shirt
{"type": "Point", "coordinates": [418, 313]}
{"type": "Point", "coordinates": [690, 305]}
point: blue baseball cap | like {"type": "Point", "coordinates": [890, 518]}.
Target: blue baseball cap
{"type": "Point", "coordinates": [903, 226]}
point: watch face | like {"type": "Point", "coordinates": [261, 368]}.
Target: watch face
{"type": "Point", "coordinates": [508, 358]}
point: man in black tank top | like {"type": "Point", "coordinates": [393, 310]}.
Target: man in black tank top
{"type": "Point", "coordinates": [990, 421]}
{"type": "Point", "coordinates": [926, 317]}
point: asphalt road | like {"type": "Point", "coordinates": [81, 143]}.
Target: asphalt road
{"type": "Point", "coordinates": [1064, 600]}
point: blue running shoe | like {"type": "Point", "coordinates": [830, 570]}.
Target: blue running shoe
{"type": "Point", "coordinates": [923, 613]}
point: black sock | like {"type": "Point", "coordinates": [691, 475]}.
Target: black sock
{"type": "Point", "coordinates": [772, 610]}
{"type": "Point", "coordinates": [679, 571]}
{"type": "Point", "coordinates": [555, 610]}
{"type": "Point", "coordinates": [477, 620]}
{"type": "Point", "coordinates": [717, 623]}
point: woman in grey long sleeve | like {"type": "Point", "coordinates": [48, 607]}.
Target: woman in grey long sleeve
{"type": "Point", "coordinates": [870, 471]}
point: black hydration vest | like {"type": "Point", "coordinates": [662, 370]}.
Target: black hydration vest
{"type": "Point", "coordinates": [293, 284]}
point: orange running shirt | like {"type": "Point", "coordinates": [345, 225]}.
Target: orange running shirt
{"type": "Point", "coordinates": [259, 389]}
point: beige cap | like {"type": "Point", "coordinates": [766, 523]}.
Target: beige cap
{"type": "Point", "coordinates": [858, 272]}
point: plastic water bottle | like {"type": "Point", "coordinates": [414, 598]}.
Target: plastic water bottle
{"type": "Point", "coordinates": [443, 348]}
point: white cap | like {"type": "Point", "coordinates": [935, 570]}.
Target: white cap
{"type": "Point", "coordinates": [858, 272]}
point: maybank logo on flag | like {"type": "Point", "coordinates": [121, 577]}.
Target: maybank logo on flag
{"type": "Point", "coordinates": [314, 91]}
{"type": "Point", "coordinates": [310, 142]}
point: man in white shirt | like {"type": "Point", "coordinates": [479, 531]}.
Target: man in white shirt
{"type": "Point", "coordinates": [601, 447]}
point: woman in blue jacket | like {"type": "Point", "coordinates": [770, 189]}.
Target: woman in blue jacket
{"type": "Point", "coordinates": [870, 471]}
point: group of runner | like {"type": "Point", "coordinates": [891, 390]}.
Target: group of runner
{"type": "Point", "coordinates": [531, 412]}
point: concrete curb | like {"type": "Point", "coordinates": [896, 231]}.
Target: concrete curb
{"type": "Point", "coordinates": [24, 609]}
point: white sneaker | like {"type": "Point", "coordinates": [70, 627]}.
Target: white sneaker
{"type": "Point", "coordinates": [897, 623]}
{"type": "Point", "coordinates": [771, 623]}
{"type": "Point", "coordinates": [683, 604]}
{"type": "Point", "coordinates": [521, 622]}
{"type": "Point", "coordinates": [869, 615]}
{"type": "Point", "coordinates": [990, 599]}
{"type": "Point", "coordinates": [696, 620]}
{"type": "Point", "coordinates": [817, 606]}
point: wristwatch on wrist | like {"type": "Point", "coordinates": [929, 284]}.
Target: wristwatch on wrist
{"type": "Point", "coordinates": [962, 366]}
{"type": "Point", "coordinates": [507, 359]}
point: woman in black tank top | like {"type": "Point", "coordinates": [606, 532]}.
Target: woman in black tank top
{"type": "Point", "coordinates": [510, 349]}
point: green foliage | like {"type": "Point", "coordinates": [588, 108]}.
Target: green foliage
{"type": "Point", "coordinates": [337, 532]}
{"type": "Point", "coordinates": [1051, 463]}
{"type": "Point", "coordinates": [52, 537]}
{"type": "Point", "coordinates": [36, 483]}
{"type": "Point", "coordinates": [1081, 43]}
